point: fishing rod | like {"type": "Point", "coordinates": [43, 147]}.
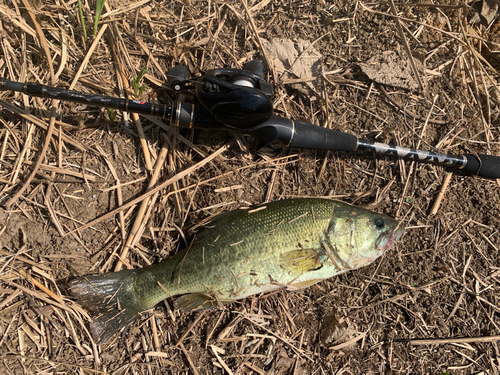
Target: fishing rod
{"type": "Point", "coordinates": [240, 99]}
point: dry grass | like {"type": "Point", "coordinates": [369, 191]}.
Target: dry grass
{"type": "Point", "coordinates": [84, 194]}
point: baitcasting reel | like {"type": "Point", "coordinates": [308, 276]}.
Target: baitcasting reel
{"type": "Point", "coordinates": [239, 99]}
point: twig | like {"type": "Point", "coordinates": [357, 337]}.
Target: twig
{"type": "Point", "coordinates": [406, 46]}
{"type": "Point", "coordinates": [53, 214]}
{"type": "Point", "coordinates": [456, 340]}
{"type": "Point", "coordinates": [440, 196]}
{"type": "Point", "coordinates": [85, 61]}
{"type": "Point", "coordinates": [307, 49]}
{"type": "Point", "coordinates": [35, 120]}
{"type": "Point", "coordinates": [154, 332]}
{"type": "Point", "coordinates": [451, 35]}
{"type": "Point", "coordinates": [57, 170]}
{"type": "Point", "coordinates": [259, 41]}
{"type": "Point", "coordinates": [255, 368]}
{"type": "Point", "coordinates": [286, 341]}
{"type": "Point", "coordinates": [54, 104]}
{"type": "Point", "coordinates": [222, 363]}
{"type": "Point", "coordinates": [192, 325]}
{"type": "Point", "coordinates": [412, 165]}
{"type": "Point", "coordinates": [52, 363]}
{"type": "Point", "coordinates": [409, 113]}
{"type": "Point", "coordinates": [146, 195]}
{"type": "Point", "coordinates": [134, 232]}
{"type": "Point", "coordinates": [443, 6]}
{"type": "Point", "coordinates": [119, 195]}
{"type": "Point", "coordinates": [190, 361]}
{"type": "Point", "coordinates": [349, 342]}
{"type": "Point", "coordinates": [135, 116]}
{"type": "Point", "coordinates": [41, 286]}
{"type": "Point", "coordinates": [20, 158]}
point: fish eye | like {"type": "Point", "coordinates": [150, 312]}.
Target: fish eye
{"type": "Point", "coordinates": [379, 223]}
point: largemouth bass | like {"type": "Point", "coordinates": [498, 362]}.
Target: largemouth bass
{"type": "Point", "coordinates": [290, 244]}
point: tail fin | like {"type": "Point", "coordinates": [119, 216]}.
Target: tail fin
{"type": "Point", "coordinates": [110, 298]}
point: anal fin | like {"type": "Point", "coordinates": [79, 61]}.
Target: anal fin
{"type": "Point", "coordinates": [197, 302]}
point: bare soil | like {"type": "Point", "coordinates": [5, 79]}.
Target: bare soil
{"type": "Point", "coordinates": [441, 282]}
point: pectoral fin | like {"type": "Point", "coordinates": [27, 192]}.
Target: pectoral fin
{"type": "Point", "coordinates": [302, 260]}
{"type": "Point", "coordinates": [197, 301]}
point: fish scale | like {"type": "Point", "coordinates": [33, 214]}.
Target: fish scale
{"type": "Point", "coordinates": [291, 243]}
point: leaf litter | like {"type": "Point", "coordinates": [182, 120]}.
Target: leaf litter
{"type": "Point", "coordinates": [299, 61]}
{"type": "Point", "coordinates": [392, 69]}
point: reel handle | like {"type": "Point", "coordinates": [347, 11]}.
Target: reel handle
{"type": "Point", "coordinates": [255, 67]}
{"type": "Point", "coordinates": [177, 74]}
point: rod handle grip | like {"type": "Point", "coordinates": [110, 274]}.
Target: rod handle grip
{"type": "Point", "coordinates": [316, 137]}
{"type": "Point", "coordinates": [7, 85]}
{"type": "Point", "coordinates": [487, 166]}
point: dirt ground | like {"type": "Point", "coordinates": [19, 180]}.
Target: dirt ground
{"type": "Point", "coordinates": [431, 305]}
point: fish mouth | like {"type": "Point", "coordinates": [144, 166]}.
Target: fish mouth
{"type": "Point", "coordinates": [387, 239]}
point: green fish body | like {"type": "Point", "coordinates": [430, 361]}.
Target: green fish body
{"type": "Point", "coordinates": [290, 243]}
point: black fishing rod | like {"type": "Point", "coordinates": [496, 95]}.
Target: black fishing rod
{"type": "Point", "coordinates": [240, 99]}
